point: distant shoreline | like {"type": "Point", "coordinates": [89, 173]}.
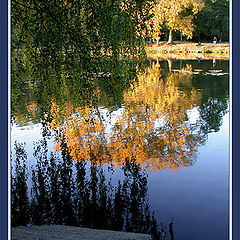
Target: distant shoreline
{"type": "Point", "coordinates": [188, 50]}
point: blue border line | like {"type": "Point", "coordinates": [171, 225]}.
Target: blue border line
{"type": "Point", "coordinates": [235, 118]}
{"type": "Point", "coordinates": [4, 118]}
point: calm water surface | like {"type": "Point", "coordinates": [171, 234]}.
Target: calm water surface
{"type": "Point", "coordinates": [172, 123]}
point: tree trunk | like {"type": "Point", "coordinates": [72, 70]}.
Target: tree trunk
{"type": "Point", "coordinates": [170, 39]}
{"type": "Point", "coordinates": [169, 65]}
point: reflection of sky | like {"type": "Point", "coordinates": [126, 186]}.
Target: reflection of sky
{"type": "Point", "coordinates": [28, 135]}
{"type": "Point", "coordinates": [193, 115]}
{"type": "Point", "coordinates": [197, 197]}
{"type": "Point", "coordinates": [110, 118]}
{"type": "Point", "coordinates": [32, 133]}
{"type": "Point", "coordinates": [214, 72]}
{"type": "Point", "coordinates": [24, 132]}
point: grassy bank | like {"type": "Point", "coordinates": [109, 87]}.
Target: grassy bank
{"type": "Point", "coordinates": [189, 50]}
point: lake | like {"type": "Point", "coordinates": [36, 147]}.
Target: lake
{"type": "Point", "coordinates": [142, 149]}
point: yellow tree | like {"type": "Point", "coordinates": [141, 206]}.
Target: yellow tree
{"type": "Point", "coordinates": [154, 23]}
{"type": "Point", "coordinates": [176, 15]}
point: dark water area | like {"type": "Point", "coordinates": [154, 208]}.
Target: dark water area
{"type": "Point", "coordinates": [128, 145]}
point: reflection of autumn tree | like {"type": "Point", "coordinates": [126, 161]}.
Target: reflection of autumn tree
{"type": "Point", "coordinates": [153, 128]}
{"type": "Point", "coordinates": [84, 132]}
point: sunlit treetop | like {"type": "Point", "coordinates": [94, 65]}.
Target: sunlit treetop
{"type": "Point", "coordinates": [176, 15]}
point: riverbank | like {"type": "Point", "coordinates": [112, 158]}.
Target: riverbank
{"type": "Point", "coordinates": [189, 51]}
{"type": "Point", "coordinates": [60, 232]}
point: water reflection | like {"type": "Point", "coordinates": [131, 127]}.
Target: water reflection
{"type": "Point", "coordinates": [79, 194]}
{"type": "Point", "coordinates": [148, 120]}
{"type": "Point", "coordinates": [137, 120]}
{"type": "Point", "coordinates": [152, 126]}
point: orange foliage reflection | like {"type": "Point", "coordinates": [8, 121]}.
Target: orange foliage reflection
{"type": "Point", "coordinates": [152, 129]}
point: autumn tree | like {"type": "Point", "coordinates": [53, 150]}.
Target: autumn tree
{"type": "Point", "coordinates": [175, 15]}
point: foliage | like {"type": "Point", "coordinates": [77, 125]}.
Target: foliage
{"type": "Point", "coordinates": [80, 31]}
{"type": "Point", "coordinates": [66, 49]}
{"type": "Point", "coordinates": [197, 20]}
{"type": "Point", "coordinates": [213, 20]}
{"type": "Point", "coordinates": [176, 15]}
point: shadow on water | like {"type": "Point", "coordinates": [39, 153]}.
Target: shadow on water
{"type": "Point", "coordinates": [78, 194]}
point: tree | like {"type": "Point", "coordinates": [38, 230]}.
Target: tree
{"type": "Point", "coordinates": [176, 15]}
{"type": "Point", "coordinates": [65, 48]}
{"type": "Point", "coordinates": [213, 20]}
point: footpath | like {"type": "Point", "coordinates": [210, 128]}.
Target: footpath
{"type": "Point", "coordinates": [59, 232]}
{"type": "Point", "coordinates": [188, 51]}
